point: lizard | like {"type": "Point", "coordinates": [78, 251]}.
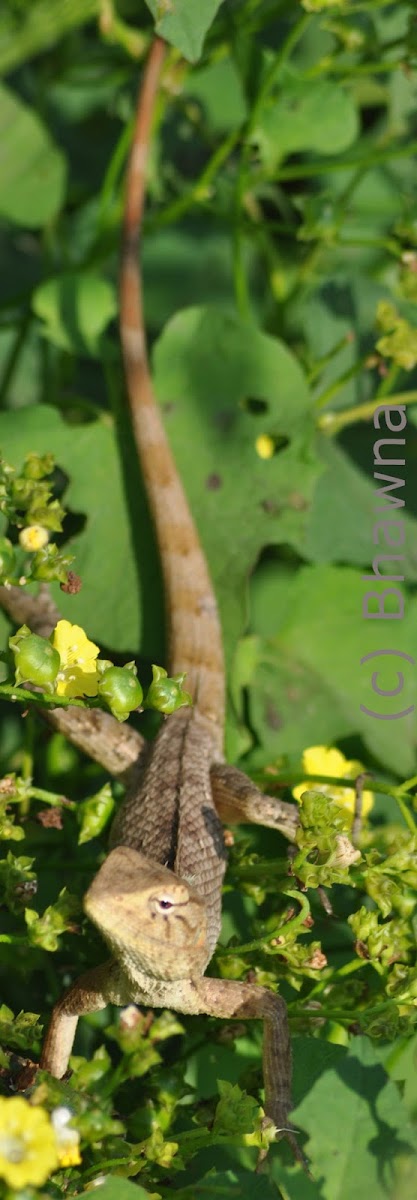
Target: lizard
{"type": "Point", "coordinates": [156, 899]}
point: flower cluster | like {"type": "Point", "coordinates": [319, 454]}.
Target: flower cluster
{"type": "Point", "coordinates": [67, 665]}
{"type": "Point", "coordinates": [34, 1143]}
{"type": "Point", "coordinates": [399, 340]}
{"type": "Point", "coordinates": [27, 503]}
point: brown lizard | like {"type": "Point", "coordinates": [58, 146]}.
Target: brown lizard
{"type": "Point", "coordinates": [157, 898]}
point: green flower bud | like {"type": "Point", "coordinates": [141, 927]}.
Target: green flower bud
{"type": "Point", "coordinates": [36, 466]}
{"type": "Point", "coordinates": [7, 558]}
{"type": "Point", "coordinates": [121, 690]}
{"type": "Point", "coordinates": [94, 813]}
{"type": "Point", "coordinates": [165, 694]}
{"type": "Point", "coordinates": [51, 563]}
{"type": "Point", "coordinates": [35, 658]}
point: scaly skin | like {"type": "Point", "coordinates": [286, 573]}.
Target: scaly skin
{"type": "Point", "coordinates": [157, 898]}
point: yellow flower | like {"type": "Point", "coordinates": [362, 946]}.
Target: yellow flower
{"type": "Point", "coordinates": [28, 1149]}
{"type": "Point", "coordinates": [265, 446]}
{"type": "Point", "coordinates": [77, 675]}
{"type": "Point", "coordinates": [68, 1139]}
{"type": "Point", "coordinates": [322, 760]}
{"type": "Point", "coordinates": [34, 537]}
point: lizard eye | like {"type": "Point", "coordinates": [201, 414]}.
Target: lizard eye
{"type": "Point", "coordinates": [165, 904]}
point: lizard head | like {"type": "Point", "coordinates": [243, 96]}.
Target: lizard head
{"type": "Point", "coordinates": [152, 920]}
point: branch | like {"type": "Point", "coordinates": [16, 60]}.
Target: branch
{"type": "Point", "coordinates": [116, 747]}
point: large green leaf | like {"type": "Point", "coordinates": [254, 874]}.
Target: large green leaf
{"type": "Point", "coordinates": [222, 383]}
{"type": "Point", "coordinates": [306, 116]}
{"type": "Point", "coordinates": [115, 1187]}
{"type": "Point", "coordinates": [208, 364]}
{"type": "Point", "coordinates": [312, 683]}
{"type": "Point", "coordinates": [359, 1132]}
{"type": "Point", "coordinates": [219, 90]}
{"type": "Point", "coordinates": [184, 23]}
{"type": "Point", "coordinates": [401, 1065]}
{"type": "Point", "coordinates": [344, 514]}
{"type": "Point", "coordinates": [33, 170]}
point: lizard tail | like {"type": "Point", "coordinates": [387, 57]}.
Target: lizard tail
{"type": "Point", "coordinates": [194, 632]}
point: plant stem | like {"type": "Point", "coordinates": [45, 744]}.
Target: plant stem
{"type": "Point", "coordinates": [9, 691]}
{"type": "Point", "coordinates": [27, 762]}
{"type": "Point", "coordinates": [332, 423]}
{"type": "Point", "coordinates": [323, 167]}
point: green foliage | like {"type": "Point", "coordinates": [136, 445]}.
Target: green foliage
{"type": "Point", "coordinates": [44, 931]}
{"type": "Point", "coordinates": [280, 296]}
{"type": "Point", "coordinates": [21, 1032]}
{"type": "Point", "coordinates": [377, 1136]}
{"type": "Point", "coordinates": [28, 148]}
{"type": "Point", "coordinates": [185, 24]}
{"type": "Point", "coordinates": [28, 504]}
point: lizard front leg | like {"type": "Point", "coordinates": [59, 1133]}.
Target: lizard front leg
{"type": "Point", "coordinates": [102, 985]}
{"type": "Point", "coordinates": [226, 998]}
{"type": "Point", "coordinates": [238, 799]}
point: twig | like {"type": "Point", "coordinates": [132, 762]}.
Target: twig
{"type": "Point", "coordinates": [116, 747]}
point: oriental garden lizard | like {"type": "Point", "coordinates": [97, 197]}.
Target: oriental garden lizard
{"type": "Point", "coordinates": [157, 898]}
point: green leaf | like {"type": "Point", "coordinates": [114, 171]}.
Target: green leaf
{"type": "Point", "coordinates": [346, 500]}
{"type": "Point", "coordinates": [317, 116]}
{"type": "Point", "coordinates": [75, 310]}
{"type": "Point", "coordinates": [236, 1112]}
{"type": "Point", "coordinates": [208, 364]}
{"type": "Point", "coordinates": [183, 23]}
{"type": "Point", "coordinates": [45, 930]}
{"type": "Point", "coordinates": [86, 1074]}
{"type": "Point", "coordinates": [312, 683]}
{"type": "Point", "coordinates": [365, 1136]}
{"type": "Point", "coordinates": [33, 172]}
{"type": "Point", "coordinates": [219, 90]}
{"type": "Point", "coordinates": [403, 1070]}
{"type": "Point", "coordinates": [117, 1188]}
{"type": "Point", "coordinates": [21, 1032]}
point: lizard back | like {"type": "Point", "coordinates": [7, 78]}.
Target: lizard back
{"type": "Point", "coordinates": [171, 818]}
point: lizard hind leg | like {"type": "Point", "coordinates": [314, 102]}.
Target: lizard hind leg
{"type": "Point", "coordinates": [239, 800]}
